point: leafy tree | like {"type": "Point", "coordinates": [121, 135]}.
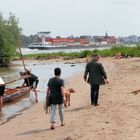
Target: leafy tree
{"type": "Point", "coordinates": [27, 40]}
{"type": "Point", "coordinates": [9, 38]}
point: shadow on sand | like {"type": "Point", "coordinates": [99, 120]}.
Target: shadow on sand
{"type": "Point", "coordinates": [79, 108]}
{"type": "Point", "coordinates": [35, 131]}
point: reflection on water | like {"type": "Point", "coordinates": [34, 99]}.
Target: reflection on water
{"type": "Point", "coordinates": [44, 71]}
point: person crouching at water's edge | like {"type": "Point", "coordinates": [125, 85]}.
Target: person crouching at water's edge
{"type": "Point", "coordinates": [96, 77]}
{"type": "Point", "coordinates": [56, 94]}
{"type": "Point", "coordinates": [2, 88]}
{"type": "Point", "coordinates": [31, 82]}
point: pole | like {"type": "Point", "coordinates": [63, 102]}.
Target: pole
{"type": "Point", "coordinates": [19, 47]}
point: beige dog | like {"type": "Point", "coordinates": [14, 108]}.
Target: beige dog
{"type": "Point", "coordinates": [67, 95]}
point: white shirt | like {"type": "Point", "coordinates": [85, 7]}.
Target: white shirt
{"type": "Point", "coordinates": [1, 81]}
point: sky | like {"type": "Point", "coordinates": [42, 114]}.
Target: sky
{"type": "Point", "coordinates": [76, 17]}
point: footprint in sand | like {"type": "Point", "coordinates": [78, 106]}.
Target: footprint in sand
{"type": "Point", "coordinates": [69, 138]}
{"type": "Point", "coordinates": [33, 122]}
{"type": "Point", "coordinates": [107, 122]}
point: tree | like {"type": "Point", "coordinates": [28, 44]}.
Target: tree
{"type": "Point", "coordinates": [9, 38]}
{"type": "Point", "coordinates": [27, 40]}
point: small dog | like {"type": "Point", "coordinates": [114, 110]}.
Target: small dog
{"type": "Point", "coordinates": [46, 105]}
{"type": "Point", "coordinates": [67, 95]}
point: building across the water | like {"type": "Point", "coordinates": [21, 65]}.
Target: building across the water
{"type": "Point", "coordinates": [78, 41]}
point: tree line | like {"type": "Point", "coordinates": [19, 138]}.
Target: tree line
{"type": "Point", "coordinates": [27, 40]}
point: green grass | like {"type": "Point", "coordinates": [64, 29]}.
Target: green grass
{"type": "Point", "coordinates": [131, 51]}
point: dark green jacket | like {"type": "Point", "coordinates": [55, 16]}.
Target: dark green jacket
{"type": "Point", "coordinates": [95, 72]}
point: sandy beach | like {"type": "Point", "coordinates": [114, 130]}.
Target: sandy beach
{"type": "Point", "coordinates": [116, 118]}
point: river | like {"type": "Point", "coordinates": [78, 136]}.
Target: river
{"type": "Point", "coordinates": [36, 51]}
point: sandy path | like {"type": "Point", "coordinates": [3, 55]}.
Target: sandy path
{"type": "Point", "coordinates": [116, 118]}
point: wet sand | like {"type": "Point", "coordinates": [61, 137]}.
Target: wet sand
{"type": "Point", "coordinates": [116, 118]}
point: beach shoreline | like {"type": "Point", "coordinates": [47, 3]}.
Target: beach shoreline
{"type": "Point", "coordinates": [44, 61]}
{"type": "Point", "coordinates": [116, 117]}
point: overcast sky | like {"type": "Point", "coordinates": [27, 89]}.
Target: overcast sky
{"type": "Point", "coordinates": [77, 17]}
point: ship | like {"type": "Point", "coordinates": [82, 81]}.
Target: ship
{"type": "Point", "coordinates": [42, 46]}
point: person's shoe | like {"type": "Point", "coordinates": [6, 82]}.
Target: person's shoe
{"type": "Point", "coordinates": [52, 127]}
{"type": "Point", "coordinates": [36, 100]}
{"type": "Point", "coordinates": [92, 103]}
{"type": "Point", "coordinates": [96, 104]}
{"type": "Point", "coordinates": [62, 124]}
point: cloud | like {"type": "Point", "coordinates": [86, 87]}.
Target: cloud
{"type": "Point", "coordinates": [66, 17]}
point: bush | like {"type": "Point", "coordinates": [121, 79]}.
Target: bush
{"type": "Point", "coordinates": [85, 53]}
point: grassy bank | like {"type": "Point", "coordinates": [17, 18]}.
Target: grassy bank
{"type": "Point", "coordinates": [134, 52]}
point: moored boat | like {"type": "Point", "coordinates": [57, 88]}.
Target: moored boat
{"type": "Point", "coordinates": [15, 94]}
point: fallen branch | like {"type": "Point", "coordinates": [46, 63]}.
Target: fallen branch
{"type": "Point", "coordinates": [135, 91]}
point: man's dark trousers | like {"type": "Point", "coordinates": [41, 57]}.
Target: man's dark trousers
{"type": "Point", "coordinates": [94, 94]}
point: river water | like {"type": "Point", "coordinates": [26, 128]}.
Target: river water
{"type": "Point", "coordinates": [36, 51]}
{"type": "Point", "coordinates": [44, 71]}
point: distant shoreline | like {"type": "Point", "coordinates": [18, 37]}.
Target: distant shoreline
{"type": "Point", "coordinates": [109, 52]}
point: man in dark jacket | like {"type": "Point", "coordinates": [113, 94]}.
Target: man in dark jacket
{"type": "Point", "coordinates": [96, 77]}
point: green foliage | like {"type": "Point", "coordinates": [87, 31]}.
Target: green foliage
{"type": "Point", "coordinates": [27, 40]}
{"type": "Point", "coordinates": [9, 38]}
{"type": "Point", "coordinates": [85, 53]}
{"type": "Point", "coordinates": [131, 51]}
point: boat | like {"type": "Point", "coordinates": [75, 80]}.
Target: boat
{"type": "Point", "coordinates": [41, 46]}
{"type": "Point", "coordinates": [15, 94]}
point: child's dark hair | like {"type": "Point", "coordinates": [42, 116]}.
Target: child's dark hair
{"type": "Point", "coordinates": [28, 72]}
{"type": "Point", "coordinates": [57, 71]}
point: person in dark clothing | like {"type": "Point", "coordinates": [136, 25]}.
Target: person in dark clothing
{"type": "Point", "coordinates": [56, 94]}
{"type": "Point", "coordinates": [31, 82]}
{"type": "Point", "coordinates": [96, 77]}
